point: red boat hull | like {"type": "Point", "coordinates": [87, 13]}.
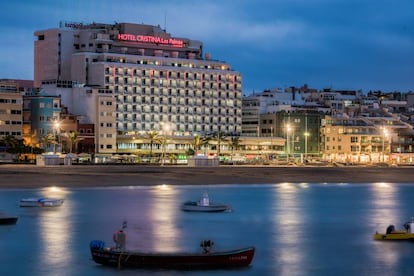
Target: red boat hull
{"type": "Point", "coordinates": [214, 260]}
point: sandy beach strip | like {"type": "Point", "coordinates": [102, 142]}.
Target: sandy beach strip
{"type": "Point", "coordinates": [30, 176]}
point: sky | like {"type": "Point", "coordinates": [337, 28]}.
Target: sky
{"type": "Point", "coordinates": [363, 45]}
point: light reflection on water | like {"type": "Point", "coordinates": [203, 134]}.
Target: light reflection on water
{"type": "Point", "coordinates": [386, 211]}
{"type": "Point", "coordinates": [288, 223]}
{"type": "Point", "coordinates": [55, 229]}
{"type": "Point", "coordinates": [163, 207]}
{"type": "Point", "coordinates": [298, 229]}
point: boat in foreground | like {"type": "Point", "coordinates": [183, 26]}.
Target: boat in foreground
{"type": "Point", "coordinates": [392, 234]}
{"type": "Point", "coordinates": [203, 260]}
{"type": "Point", "coordinates": [204, 205]}
{"type": "Point", "coordinates": [41, 202]}
{"type": "Point", "coordinates": [6, 219]}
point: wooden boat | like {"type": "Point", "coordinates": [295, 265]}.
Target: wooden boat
{"type": "Point", "coordinates": [392, 234]}
{"type": "Point", "coordinates": [204, 205]}
{"type": "Point", "coordinates": [203, 260]}
{"type": "Point", "coordinates": [41, 202]}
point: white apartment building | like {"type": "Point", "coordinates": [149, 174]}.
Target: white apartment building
{"type": "Point", "coordinates": [153, 78]}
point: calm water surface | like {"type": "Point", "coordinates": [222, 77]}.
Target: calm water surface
{"type": "Point", "coordinates": [297, 229]}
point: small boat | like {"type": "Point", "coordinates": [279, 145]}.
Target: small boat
{"type": "Point", "coordinates": [204, 205]}
{"type": "Point", "coordinates": [7, 220]}
{"type": "Point", "coordinates": [206, 259]}
{"type": "Point", "coordinates": [41, 202]}
{"type": "Point", "coordinates": [392, 234]}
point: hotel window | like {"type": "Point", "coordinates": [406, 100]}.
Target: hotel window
{"type": "Point", "coordinates": [354, 139]}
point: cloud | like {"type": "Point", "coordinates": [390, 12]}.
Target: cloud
{"type": "Point", "coordinates": [365, 44]}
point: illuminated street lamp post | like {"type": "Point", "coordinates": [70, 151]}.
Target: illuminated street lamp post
{"type": "Point", "coordinates": [384, 136]}
{"type": "Point", "coordinates": [57, 134]}
{"type": "Point", "coordinates": [306, 144]}
{"type": "Point", "coordinates": [288, 130]}
{"type": "Point", "coordinates": [165, 130]}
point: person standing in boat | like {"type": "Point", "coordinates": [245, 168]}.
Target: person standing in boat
{"type": "Point", "coordinates": [204, 200]}
{"type": "Point", "coordinates": [119, 238]}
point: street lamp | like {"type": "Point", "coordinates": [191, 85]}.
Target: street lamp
{"type": "Point", "coordinates": [384, 136]}
{"type": "Point", "coordinates": [165, 130]}
{"type": "Point", "coordinates": [57, 133]}
{"type": "Point", "coordinates": [288, 130]}
{"type": "Point", "coordinates": [306, 144]}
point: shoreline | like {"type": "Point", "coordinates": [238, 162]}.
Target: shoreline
{"type": "Point", "coordinates": [75, 176]}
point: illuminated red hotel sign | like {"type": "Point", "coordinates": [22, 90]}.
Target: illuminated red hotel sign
{"type": "Point", "coordinates": [151, 39]}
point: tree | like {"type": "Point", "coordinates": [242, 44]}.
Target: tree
{"type": "Point", "coordinates": [199, 141]}
{"type": "Point", "coordinates": [219, 137]}
{"type": "Point", "coordinates": [153, 138]}
{"type": "Point", "coordinates": [15, 145]}
{"type": "Point", "coordinates": [73, 138]}
{"type": "Point", "coordinates": [48, 140]}
{"type": "Point", "coordinates": [234, 145]}
{"type": "Point", "coordinates": [9, 142]}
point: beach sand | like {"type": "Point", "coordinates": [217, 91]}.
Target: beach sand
{"type": "Point", "coordinates": [31, 176]}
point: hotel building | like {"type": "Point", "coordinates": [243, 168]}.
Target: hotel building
{"type": "Point", "coordinates": [129, 79]}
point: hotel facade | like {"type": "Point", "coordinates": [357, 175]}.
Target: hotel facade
{"type": "Point", "coordinates": [131, 79]}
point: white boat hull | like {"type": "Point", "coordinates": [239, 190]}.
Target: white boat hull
{"type": "Point", "coordinates": [41, 202]}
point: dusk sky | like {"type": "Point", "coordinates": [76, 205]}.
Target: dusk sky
{"type": "Point", "coordinates": [342, 44]}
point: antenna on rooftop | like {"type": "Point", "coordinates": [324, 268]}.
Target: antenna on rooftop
{"type": "Point", "coordinates": [165, 21]}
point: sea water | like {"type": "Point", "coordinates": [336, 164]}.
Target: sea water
{"type": "Point", "coordinates": [297, 229]}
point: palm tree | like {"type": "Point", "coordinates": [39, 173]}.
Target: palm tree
{"type": "Point", "coordinates": [73, 138]}
{"type": "Point", "coordinates": [218, 137]}
{"type": "Point", "coordinates": [234, 145]}
{"type": "Point", "coordinates": [199, 141]}
{"type": "Point", "coordinates": [9, 141]}
{"type": "Point", "coordinates": [153, 138]}
{"type": "Point", "coordinates": [47, 140]}
{"type": "Point", "coordinates": [15, 145]}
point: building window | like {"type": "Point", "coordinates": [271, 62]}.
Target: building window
{"type": "Point", "coordinates": [354, 148]}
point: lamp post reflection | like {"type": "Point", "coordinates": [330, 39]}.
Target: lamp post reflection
{"type": "Point", "coordinates": [289, 218]}
{"type": "Point", "coordinates": [164, 229]}
{"type": "Point", "coordinates": [55, 230]}
{"type": "Point", "coordinates": [385, 206]}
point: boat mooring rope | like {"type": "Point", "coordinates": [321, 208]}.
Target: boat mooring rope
{"type": "Point", "coordinates": [125, 260]}
{"type": "Point", "coordinates": [119, 260]}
